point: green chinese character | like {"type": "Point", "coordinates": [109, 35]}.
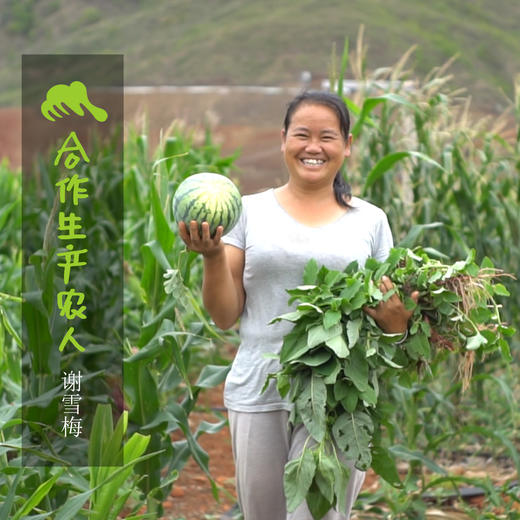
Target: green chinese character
{"type": "Point", "coordinates": [73, 184]}
{"type": "Point", "coordinates": [71, 260]}
{"type": "Point", "coordinates": [71, 159]}
{"type": "Point", "coordinates": [64, 300]}
{"type": "Point", "coordinates": [68, 223]}
{"type": "Point", "coordinates": [69, 337]}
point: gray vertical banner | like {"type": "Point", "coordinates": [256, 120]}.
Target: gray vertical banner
{"type": "Point", "coordinates": [72, 241]}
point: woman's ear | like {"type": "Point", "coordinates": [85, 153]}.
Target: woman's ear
{"type": "Point", "coordinates": [283, 140]}
{"type": "Point", "coordinates": [348, 146]}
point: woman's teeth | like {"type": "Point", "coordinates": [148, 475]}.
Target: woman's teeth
{"type": "Point", "coordinates": [312, 162]}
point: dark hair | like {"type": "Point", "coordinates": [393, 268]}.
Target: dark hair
{"type": "Point", "coordinates": [342, 191]}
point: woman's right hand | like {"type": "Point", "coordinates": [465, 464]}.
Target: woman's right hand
{"type": "Point", "coordinates": [203, 244]}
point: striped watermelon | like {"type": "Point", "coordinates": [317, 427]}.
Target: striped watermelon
{"type": "Point", "coordinates": [209, 197]}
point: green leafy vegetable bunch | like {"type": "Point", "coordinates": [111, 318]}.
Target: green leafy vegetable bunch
{"type": "Point", "coordinates": [336, 361]}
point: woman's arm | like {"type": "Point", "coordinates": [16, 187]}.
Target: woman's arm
{"type": "Point", "coordinates": [222, 288]}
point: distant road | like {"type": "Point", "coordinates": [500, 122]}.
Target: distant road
{"type": "Point", "coordinates": [212, 89]}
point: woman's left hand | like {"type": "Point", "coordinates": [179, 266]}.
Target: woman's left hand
{"type": "Point", "coordinates": [392, 316]}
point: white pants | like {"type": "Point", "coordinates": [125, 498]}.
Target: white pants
{"type": "Point", "coordinates": [262, 444]}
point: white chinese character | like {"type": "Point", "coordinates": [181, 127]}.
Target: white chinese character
{"type": "Point", "coordinates": [72, 381]}
{"type": "Point", "coordinates": [71, 403]}
{"type": "Point", "coordinates": [72, 426]}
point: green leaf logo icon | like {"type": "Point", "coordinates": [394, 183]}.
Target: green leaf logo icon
{"type": "Point", "coordinates": [72, 97]}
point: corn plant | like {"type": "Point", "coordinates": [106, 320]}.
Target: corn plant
{"type": "Point", "coordinates": [450, 185]}
{"type": "Point", "coordinates": [169, 336]}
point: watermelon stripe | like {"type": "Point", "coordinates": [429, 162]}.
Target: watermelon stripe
{"type": "Point", "coordinates": [191, 207]}
{"type": "Point", "coordinates": [183, 196]}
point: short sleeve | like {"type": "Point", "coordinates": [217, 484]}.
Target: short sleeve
{"type": "Point", "coordinates": [237, 236]}
{"type": "Point", "coordinates": [383, 240]}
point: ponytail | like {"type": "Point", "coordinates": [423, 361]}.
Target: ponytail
{"type": "Point", "coordinates": [342, 190]}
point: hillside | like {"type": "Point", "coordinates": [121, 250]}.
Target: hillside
{"type": "Point", "coordinates": [180, 42]}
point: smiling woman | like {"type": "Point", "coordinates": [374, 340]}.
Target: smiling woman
{"type": "Point", "coordinates": [315, 142]}
{"type": "Point", "coordinates": [334, 125]}
{"type": "Point", "coordinates": [247, 272]}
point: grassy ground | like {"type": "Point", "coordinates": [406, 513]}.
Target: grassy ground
{"type": "Point", "coordinates": [268, 42]}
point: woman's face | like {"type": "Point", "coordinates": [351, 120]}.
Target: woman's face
{"type": "Point", "coordinates": [313, 146]}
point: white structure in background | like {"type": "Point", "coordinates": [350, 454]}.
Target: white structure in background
{"type": "Point", "coordinates": [305, 79]}
{"type": "Point", "coordinates": [351, 85]}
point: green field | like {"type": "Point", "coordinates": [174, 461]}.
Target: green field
{"type": "Point", "coordinates": [270, 42]}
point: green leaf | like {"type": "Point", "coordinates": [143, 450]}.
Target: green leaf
{"type": "Point", "coordinates": [104, 498]}
{"type": "Point", "coordinates": [333, 369]}
{"type": "Point", "coordinates": [353, 328]}
{"type": "Point", "coordinates": [310, 404]}
{"type": "Point", "coordinates": [505, 350]}
{"type": "Point", "coordinates": [37, 496]}
{"type": "Point", "coordinates": [352, 433]}
{"type": "Point", "coordinates": [294, 344]}
{"type": "Point", "coordinates": [418, 346]}
{"type": "Point", "coordinates": [501, 290]}
{"type": "Point", "coordinates": [369, 396]}
{"type": "Point", "coordinates": [306, 307]}
{"type": "Point", "coordinates": [310, 272]}
{"type": "Point", "coordinates": [350, 401]}
{"type": "Point", "coordinates": [410, 240]}
{"type": "Point", "coordinates": [402, 452]}
{"type": "Point", "coordinates": [384, 465]}
{"type": "Point", "coordinates": [289, 316]}
{"type": "Point", "coordinates": [352, 287]}
{"type": "Point", "coordinates": [356, 369]}
{"type": "Point", "coordinates": [9, 499]}
{"type": "Point", "coordinates": [371, 102]}
{"type": "Point", "coordinates": [342, 475]}
{"type": "Point", "coordinates": [332, 277]}
{"type": "Point", "coordinates": [319, 334]}
{"type": "Point", "coordinates": [338, 345]}
{"type": "Point", "coordinates": [212, 375]}
{"type": "Point", "coordinates": [283, 384]}
{"type": "Point", "coordinates": [141, 388]}
{"type": "Point", "coordinates": [341, 389]}
{"type": "Point", "coordinates": [297, 479]}
{"type": "Point", "coordinates": [10, 329]}
{"type": "Point", "coordinates": [70, 509]}
{"type": "Point", "coordinates": [389, 362]}
{"type": "Point", "coordinates": [102, 428]}
{"type": "Point", "coordinates": [163, 233]}
{"type": "Point", "coordinates": [325, 475]}
{"type": "Point", "coordinates": [389, 160]}
{"type": "Point", "coordinates": [331, 318]}
{"type": "Point", "coordinates": [476, 341]}
{"type": "Point", "coordinates": [316, 358]}
{"type": "Point", "coordinates": [317, 503]}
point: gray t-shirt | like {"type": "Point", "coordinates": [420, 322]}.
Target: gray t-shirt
{"type": "Point", "coordinates": [277, 248]}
